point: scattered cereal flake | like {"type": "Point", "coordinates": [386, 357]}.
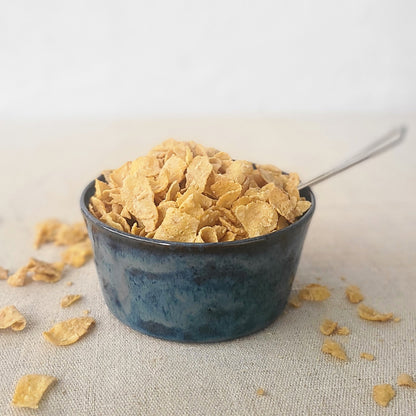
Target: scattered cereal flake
{"type": "Point", "coordinates": [46, 231]}
{"type": "Point", "coordinates": [44, 271]}
{"type": "Point", "coordinates": [328, 327]}
{"type": "Point", "coordinates": [4, 274]}
{"type": "Point", "coordinates": [78, 254]}
{"type": "Point", "coordinates": [294, 301]}
{"type": "Point", "coordinates": [30, 389]}
{"type": "Point", "coordinates": [343, 278]}
{"type": "Point", "coordinates": [10, 317]}
{"type": "Point", "coordinates": [314, 292]}
{"type": "Point", "coordinates": [177, 226]}
{"type": "Point", "coordinates": [68, 332]}
{"type": "Point", "coordinates": [68, 300]}
{"type": "Point", "coordinates": [369, 314]}
{"type": "Point", "coordinates": [69, 283]}
{"type": "Point", "coordinates": [70, 234]}
{"type": "Point", "coordinates": [333, 348]}
{"type": "Point", "coordinates": [397, 319]}
{"type": "Point", "coordinates": [383, 393]}
{"type": "Point", "coordinates": [354, 294]}
{"type": "Point", "coordinates": [18, 278]}
{"type": "Point", "coordinates": [367, 356]}
{"type": "Point", "coordinates": [86, 312]}
{"type": "Point", "coordinates": [342, 330]}
{"type": "Point", "coordinates": [260, 392]}
{"type": "Point", "coordinates": [406, 380]}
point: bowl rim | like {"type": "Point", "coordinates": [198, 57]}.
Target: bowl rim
{"type": "Point", "coordinates": [177, 244]}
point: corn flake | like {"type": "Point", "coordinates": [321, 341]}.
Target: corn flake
{"type": "Point", "coordinates": [46, 231]}
{"type": "Point", "coordinates": [18, 278]}
{"type": "Point", "coordinates": [314, 292]}
{"type": "Point", "coordinates": [383, 393]}
{"type": "Point", "coordinates": [354, 294]}
{"type": "Point", "coordinates": [78, 254]}
{"type": "Point", "coordinates": [70, 234]}
{"type": "Point", "coordinates": [334, 349]}
{"type": "Point", "coordinates": [10, 317]}
{"type": "Point", "coordinates": [177, 226]}
{"type": "Point", "coordinates": [44, 271]}
{"type": "Point", "coordinates": [328, 327]}
{"type": "Point", "coordinates": [369, 314]}
{"type": "Point", "coordinates": [68, 332]}
{"type": "Point", "coordinates": [68, 300]}
{"type": "Point", "coordinates": [30, 389]}
{"type": "Point", "coordinates": [406, 380]}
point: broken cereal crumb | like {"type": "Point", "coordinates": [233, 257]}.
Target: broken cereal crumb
{"type": "Point", "coordinates": [367, 356]}
{"type": "Point", "coordinates": [369, 314]}
{"type": "Point", "coordinates": [383, 393]}
{"type": "Point", "coordinates": [69, 283]}
{"type": "Point", "coordinates": [314, 292]}
{"type": "Point", "coordinates": [260, 392]}
{"type": "Point", "coordinates": [397, 319]}
{"type": "Point", "coordinates": [294, 301]}
{"type": "Point", "coordinates": [86, 311]}
{"type": "Point", "coordinates": [333, 348]}
{"type": "Point", "coordinates": [354, 294]}
{"type": "Point", "coordinates": [406, 380]}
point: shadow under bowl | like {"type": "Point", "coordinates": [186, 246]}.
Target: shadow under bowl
{"type": "Point", "coordinates": [196, 292]}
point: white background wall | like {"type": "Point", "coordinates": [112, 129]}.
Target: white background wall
{"type": "Point", "coordinates": [102, 58]}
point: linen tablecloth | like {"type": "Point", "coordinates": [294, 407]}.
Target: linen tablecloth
{"type": "Point", "coordinates": [364, 230]}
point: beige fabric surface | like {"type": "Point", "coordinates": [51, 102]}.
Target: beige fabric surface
{"type": "Point", "coordinates": [364, 229]}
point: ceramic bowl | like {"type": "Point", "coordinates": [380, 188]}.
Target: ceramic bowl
{"type": "Point", "coordinates": [193, 292]}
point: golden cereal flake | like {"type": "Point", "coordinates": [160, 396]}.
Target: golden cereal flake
{"type": "Point", "coordinates": [258, 218]}
{"type": "Point", "coordinates": [10, 317]}
{"type": "Point", "coordinates": [4, 273]}
{"type": "Point", "coordinates": [86, 312]}
{"type": "Point", "coordinates": [342, 330]}
{"type": "Point", "coordinates": [18, 278]}
{"type": "Point", "coordinates": [30, 389]}
{"type": "Point", "coordinates": [314, 292]}
{"type": "Point", "coordinates": [406, 380]}
{"type": "Point", "coordinates": [328, 327]}
{"type": "Point", "coordinates": [354, 294]}
{"type": "Point", "coordinates": [177, 226]}
{"type": "Point", "coordinates": [333, 348]}
{"type": "Point", "coordinates": [78, 254]}
{"type": "Point", "coordinates": [367, 356]}
{"type": "Point", "coordinates": [69, 283]}
{"type": "Point", "coordinates": [46, 231]}
{"type": "Point", "coordinates": [70, 234]}
{"type": "Point", "coordinates": [383, 393]}
{"type": "Point", "coordinates": [44, 271]}
{"type": "Point", "coordinates": [369, 314]}
{"type": "Point", "coordinates": [68, 332]}
{"type": "Point", "coordinates": [68, 300]}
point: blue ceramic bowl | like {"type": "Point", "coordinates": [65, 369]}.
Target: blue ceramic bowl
{"type": "Point", "coordinates": [193, 292]}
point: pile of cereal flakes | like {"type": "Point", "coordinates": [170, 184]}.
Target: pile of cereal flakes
{"type": "Point", "coordinates": [183, 191]}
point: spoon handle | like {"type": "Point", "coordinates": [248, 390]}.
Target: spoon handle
{"type": "Point", "coordinates": [392, 138]}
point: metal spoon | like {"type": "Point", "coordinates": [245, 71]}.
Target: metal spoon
{"type": "Point", "coordinates": [389, 140]}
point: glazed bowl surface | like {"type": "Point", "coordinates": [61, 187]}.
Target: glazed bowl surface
{"type": "Point", "coordinates": [196, 292]}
